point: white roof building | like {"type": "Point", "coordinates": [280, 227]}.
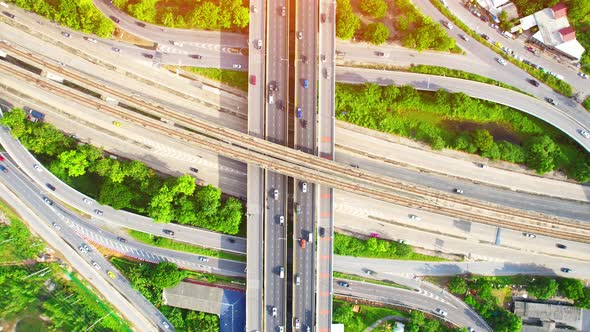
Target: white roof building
{"type": "Point", "coordinates": [555, 31]}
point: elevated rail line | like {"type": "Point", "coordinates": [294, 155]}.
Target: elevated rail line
{"type": "Point", "coordinates": [264, 154]}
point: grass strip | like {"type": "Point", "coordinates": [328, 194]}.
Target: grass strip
{"type": "Point", "coordinates": [367, 280]}
{"type": "Point", "coordinates": [163, 242]}
{"type": "Point", "coordinates": [234, 78]}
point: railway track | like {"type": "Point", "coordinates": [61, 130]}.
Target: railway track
{"type": "Point", "coordinates": [297, 164]}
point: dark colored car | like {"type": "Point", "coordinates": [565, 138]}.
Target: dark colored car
{"type": "Point", "coordinates": [9, 15]}
{"type": "Point", "coordinates": [566, 270]}
{"type": "Point", "coordinates": [533, 82]}
{"type": "Point", "coordinates": [149, 56]}
{"type": "Point", "coordinates": [344, 284]}
{"type": "Point", "coordinates": [121, 239]}
{"type": "Point", "coordinates": [561, 246]}
{"type": "Point", "coordinates": [168, 232]}
{"type": "Point", "coordinates": [194, 169]}
{"type": "Point", "coordinates": [322, 232]}
{"type": "Point", "coordinates": [50, 186]}
{"type": "Point", "coordinates": [3, 169]}
{"type": "Point", "coordinates": [323, 17]}
{"type": "Point", "coordinates": [484, 36]}
{"type": "Point", "coordinates": [116, 20]}
{"type": "Point", "coordinates": [230, 240]}
{"type": "Point", "coordinates": [141, 24]}
{"type": "Point", "coordinates": [196, 56]}
{"type": "Point", "coordinates": [551, 101]}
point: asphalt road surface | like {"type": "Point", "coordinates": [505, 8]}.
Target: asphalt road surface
{"type": "Point", "coordinates": [428, 302]}
{"type": "Point", "coordinates": [122, 218]}
{"type": "Point", "coordinates": [538, 108]}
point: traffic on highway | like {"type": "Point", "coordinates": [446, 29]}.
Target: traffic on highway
{"type": "Point", "coordinates": [276, 144]}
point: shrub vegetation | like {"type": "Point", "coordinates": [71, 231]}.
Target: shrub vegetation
{"type": "Point", "coordinates": [477, 292]}
{"type": "Point", "coordinates": [208, 15]}
{"type": "Point", "coordinates": [128, 185]}
{"type": "Point", "coordinates": [457, 121]}
{"type": "Point", "coordinates": [377, 248]}
{"type": "Point", "coordinates": [79, 15]}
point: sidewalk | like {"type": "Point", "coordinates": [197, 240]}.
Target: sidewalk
{"type": "Point", "coordinates": [406, 152]}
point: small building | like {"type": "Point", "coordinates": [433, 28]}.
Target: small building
{"type": "Point", "coordinates": [229, 304]}
{"type": "Point", "coordinates": [554, 31]}
{"type": "Point", "coordinates": [548, 317]}
{"type": "Point", "coordinates": [495, 7]}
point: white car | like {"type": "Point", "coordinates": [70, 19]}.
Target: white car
{"type": "Point", "coordinates": [96, 265]}
{"type": "Point", "coordinates": [582, 75]}
{"type": "Point", "coordinates": [414, 217]}
{"type": "Point", "coordinates": [275, 194]}
{"type": "Point", "coordinates": [92, 40]}
{"type": "Point", "coordinates": [237, 66]}
{"type": "Point", "coordinates": [281, 220]}
{"type": "Point", "coordinates": [501, 61]}
{"type": "Point", "coordinates": [464, 37]}
{"type": "Point", "coordinates": [441, 312]}
{"type": "Point", "coordinates": [203, 259]}
{"type": "Point", "coordinates": [116, 49]}
{"type": "Point", "coordinates": [274, 311]}
{"type": "Point", "coordinates": [37, 168]}
{"type": "Point", "coordinates": [58, 227]}
{"type": "Point", "coordinates": [530, 235]}
{"type": "Point", "coordinates": [86, 200]}
{"type": "Point", "coordinates": [299, 35]}
{"type": "Point", "coordinates": [585, 133]}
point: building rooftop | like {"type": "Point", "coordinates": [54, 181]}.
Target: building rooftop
{"type": "Point", "coordinates": [229, 304]}
{"type": "Point", "coordinates": [549, 312]}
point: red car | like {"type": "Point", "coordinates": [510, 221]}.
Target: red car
{"type": "Point", "coordinates": [253, 79]}
{"type": "Point", "coordinates": [375, 235]}
{"type": "Point", "coordinates": [1, 158]}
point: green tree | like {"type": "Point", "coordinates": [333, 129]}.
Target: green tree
{"type": "Point", "coordinates": [205, 16]}
{"type": "Point", "coordinates": [540, 153]}
{"type": "Point", "coordinates": [374, 8]}
{"type": "Point", "coordinates": [74, 162]}
{"type": "Point", "coordinates": [15, 120]}
{"type": "Point", "coordinates": [403, 250]}
{"type": "Point", "coordinates": [504, 21]}
{"type": "Point", "coordinates": [116, 195]}
{"type": "Point", "coordinates": [208, 200]}
{"type": "Point", "coordinates": [346, 21]}
{"type": "Point", "coordinates": [144, 10]}
{"type": "Point", "coordinates": [458, 285]}
{"type": "Point", "coordinates": [571, 288]}
{"type": "Point", "coordinates": [184, 185]}
{"type": "Point", "coordinates": [584, 301]}
{"type": "Point", "coordinates": [542, 288]}
{"type": "Point", "coordinates": [376, 33]}
{"type": "Point", "coordinates": [482, 139]}
{"type": "Point", "coordinates": [160, 207]}
{"type": "Point", "coordinates": [166, 275]}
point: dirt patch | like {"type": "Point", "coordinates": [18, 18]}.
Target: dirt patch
{"type": "Point", "coordinates": [126, 37]}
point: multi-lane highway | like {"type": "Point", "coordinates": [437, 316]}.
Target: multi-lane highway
{"type": "Point", "coordinates": [423, 300]}
{"type": "Point", "coordinates": [305, 139]}
{"type": "Point", "coordinates": [276, 89]}
{"type": "Point", "coordinates": [135, 306]}
{"type": "Point", "coordinates": [482, 56]}
{"type": "Point", "coordinates": [326, 132]}
{"type": "Point", "coordinates": [303, 83]}
{"type": "Point", "coordinates": [256, 204]}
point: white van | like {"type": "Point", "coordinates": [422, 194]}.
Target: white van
{"type": "Point", "coordinates": [282, 272]}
